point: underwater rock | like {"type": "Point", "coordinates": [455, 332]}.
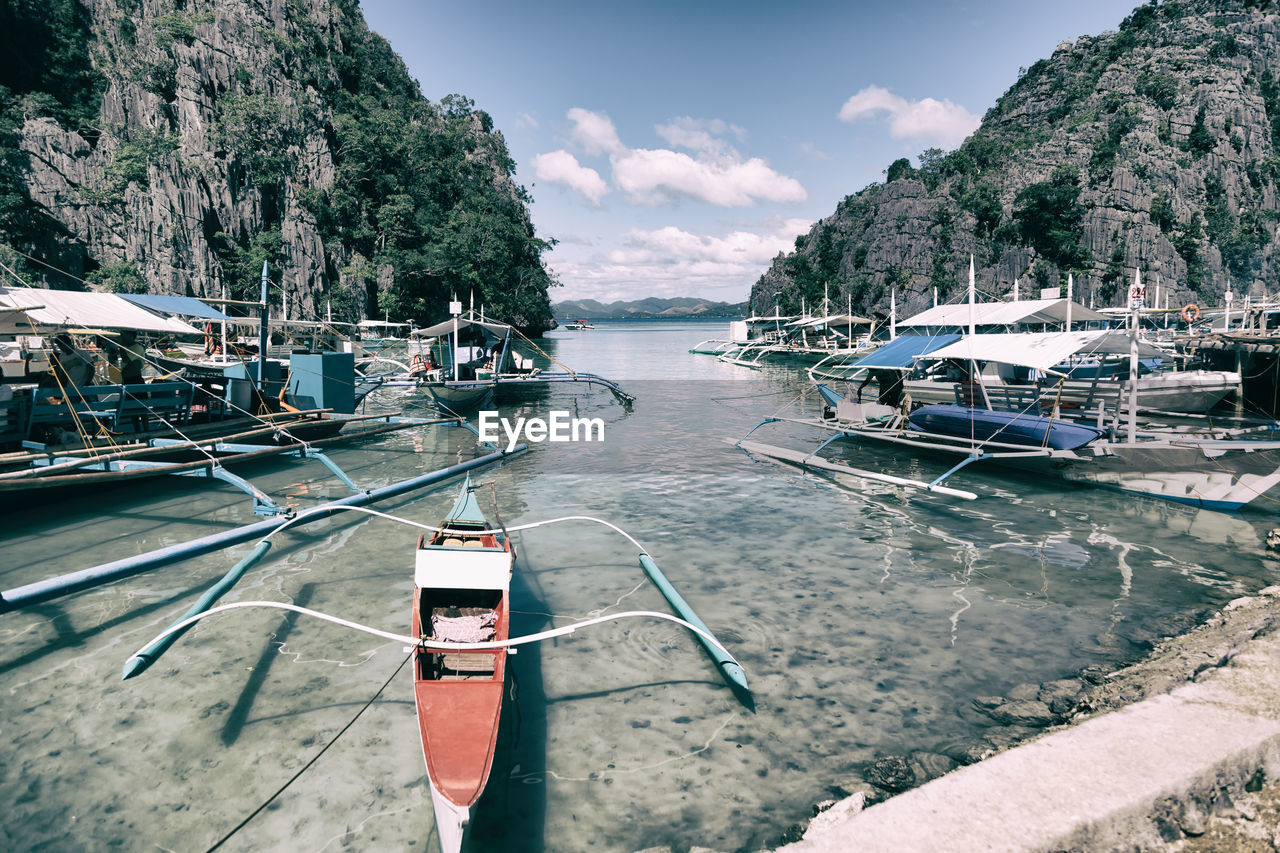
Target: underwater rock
{"type": "Point", "coordinates": [892, 773]}
{"type": "Point", "coordinates": [1023, 712]}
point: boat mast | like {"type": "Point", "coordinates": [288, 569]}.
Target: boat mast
{"type": "Point", "coordinates": [1135, 304]}
{"type": "Point", "coordinates": [223, 321]}
{"type": "Point", "coordinates": [1070, 297]}
{"type": "Point", "coordinates": [455, 308]}
{"type": "Point", "coordinates": [972, 288]}
{"type": "Point", "coordinates": [263, 311]}
{"type": "Point", "coordinates": [893, 313]}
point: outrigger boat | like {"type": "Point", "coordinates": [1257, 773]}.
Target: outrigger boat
{"type": "Point", "coordinates": [462, 363]}
{"type": "Point", "coordinates": [1220, 469]}
{"type": "Point", "coordinates": [460, 623]}
{"type": "Point", "coordinates": [462, 581]}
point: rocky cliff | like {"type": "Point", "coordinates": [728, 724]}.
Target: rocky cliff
{"type": "Point", "coordinates": [173, 145]}
{"type": "Point", "coordinates": [1154, 147]}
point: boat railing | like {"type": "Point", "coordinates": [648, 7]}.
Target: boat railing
{"type": "Point", "coordinates": [110, 406]}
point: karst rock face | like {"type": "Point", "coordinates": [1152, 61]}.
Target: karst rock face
{"type": "Point", "coordinates": [211, 134]}
{"type": "Point", "coordinates": [1156, 147]}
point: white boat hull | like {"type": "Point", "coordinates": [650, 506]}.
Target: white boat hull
{"type": "Point", "coordinates": [1191, 391]}
{"type": "Point", "coordinates": [452, 822]}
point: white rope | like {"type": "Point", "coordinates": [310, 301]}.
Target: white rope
{"type": "Point", "coordinates": [420, 526]}
{"type": "Point", "coordinates": [428, 644]}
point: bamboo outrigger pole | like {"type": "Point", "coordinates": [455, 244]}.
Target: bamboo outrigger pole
{"type": "Point", "coordinates": [46, 590]}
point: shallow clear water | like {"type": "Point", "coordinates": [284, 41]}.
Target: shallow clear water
{"type": "Point", "coordinates": [867, 617]}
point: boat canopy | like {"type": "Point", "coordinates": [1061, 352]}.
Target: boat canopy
{"type": "Point", "coordinates": [1040, 350]}
{"type": "Point", "coordinates": [901, 352]}
{"type": "Point", "coordinates": [14, 321]}
{"type": "Point", "coordinates": [771, 318]}
{"type": "Point", "coordinates": [68, 309]}
{"type": "Point", "coordinates": [830, 320]}
{"type": "Point", "coordinates": [382, 324]}
{"type": "Point", "coordinates": [445, 328]}
{"type": "Point", "coordinates": [1003, 314]}
{"type": "Point", "coordinates": [181, 306]}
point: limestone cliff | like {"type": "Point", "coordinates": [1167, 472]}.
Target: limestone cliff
{"type": "Point", "coordinates": [1157, 146]}
{"type": "Point", "coordinates": [174, 145]}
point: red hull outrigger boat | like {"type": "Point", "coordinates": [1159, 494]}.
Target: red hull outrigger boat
{"type": "Point", "coordinates": [462, 579]}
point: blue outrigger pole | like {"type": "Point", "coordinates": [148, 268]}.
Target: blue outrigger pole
{"type": "Point", "coordinates": [46, 590]}
{"type": "Point", "coordinates": [730, 669]}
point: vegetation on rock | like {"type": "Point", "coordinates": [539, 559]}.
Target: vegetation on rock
{"type": "Point", "coordinates": [188, 141]}
{"type": "Point", "coordinates": [1155, 147]}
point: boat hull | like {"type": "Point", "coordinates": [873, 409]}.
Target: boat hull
{"type": "Point", "coordinates": [462, 578]}
{"type": "Point", "coordinates": [1182, 391]}
{"type": "Point", "coordinates": [461, 396]}
{"type": "Point", "coordinates": [1007, 427]}
{"type": "Point", "coordinates": [1227, 476]}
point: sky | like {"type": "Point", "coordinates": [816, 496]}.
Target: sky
{"type": "Point", "coordinates": [675, 148]}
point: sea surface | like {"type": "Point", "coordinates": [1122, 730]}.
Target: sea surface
{"type": "Point", "coordinates": [868, 619]}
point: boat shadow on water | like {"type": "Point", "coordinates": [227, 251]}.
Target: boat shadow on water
{"type": "Point", "coordinates": [238, 717]}
{"type": "Point", "coordinates": [512, 812]}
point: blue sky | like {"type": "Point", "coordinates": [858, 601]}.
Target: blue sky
{"type": "Point", "coordinates": [673, 149]}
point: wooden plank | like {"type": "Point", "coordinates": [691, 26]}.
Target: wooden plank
{"type": "Point", "coordinates": [807, 460]}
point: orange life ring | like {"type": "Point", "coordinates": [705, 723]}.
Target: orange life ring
{"type": "Point", "coordinates": [1191, 312]}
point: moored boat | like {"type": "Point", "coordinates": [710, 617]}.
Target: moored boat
{"type": "Point", "coordinates": [462, 579]}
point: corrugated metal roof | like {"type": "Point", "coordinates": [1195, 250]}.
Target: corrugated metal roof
{"type": "Point", "coordinates": [64, 309]}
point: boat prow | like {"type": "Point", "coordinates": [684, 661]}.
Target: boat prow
{"type": "Point", "coordinates": [452, 822]}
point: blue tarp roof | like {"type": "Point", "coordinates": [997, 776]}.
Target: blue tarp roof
{"type": "Point", "coordinates": [900, 353]}
{"type": "Point", "coordinates": [185, 306]}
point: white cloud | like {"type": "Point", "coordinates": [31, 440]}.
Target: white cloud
{"type": "Point", "coordinates": [672, 262]}
{"type": "Point", "coordinates": [702, 135]}
{"type": "Point", "coordinates": [594, 132]}
{"type": "Point", "coordinates": [812, 152]}
{"type": "Point", "coordinates": [561, 167]}
{"type": "Point", "coordinates": [653, 175]}
{"type": "Point", "coordinates": [716, 173]}
{"type": "Point", "coordinates": [928, 119]}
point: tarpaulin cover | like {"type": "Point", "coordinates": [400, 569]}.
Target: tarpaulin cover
{"type": "Point", "coordinates": [900, 353]}
{"type": "Point", "coordinates": [183, 306]}
{"type": "Point", "coordinates": [1041, 350]}
{"type": "Point", "coordinates": [1003, 314]}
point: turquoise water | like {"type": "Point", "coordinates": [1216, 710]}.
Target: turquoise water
{"type": "Point", "coordinates": [868, 619]}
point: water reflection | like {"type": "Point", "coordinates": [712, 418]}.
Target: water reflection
{"type": "Point", "coordinates": [868, 618]}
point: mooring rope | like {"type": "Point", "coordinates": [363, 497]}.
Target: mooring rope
{"type": "Point", "coordinates": [241, 825]}
{"type": "Point", "coordinates": [530, 526]}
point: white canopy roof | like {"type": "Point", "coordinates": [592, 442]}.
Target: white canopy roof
{"type": "Point", "coordinates": [1003, 314]}
{"type": "Point", "coordinates": [1041, 350]}
{"type": "Point", "coordinates": [446, 328]}
{"type": "Point", "coordinates": [830, 320]}
{"type": "Point", "coordinates": [68, 309]}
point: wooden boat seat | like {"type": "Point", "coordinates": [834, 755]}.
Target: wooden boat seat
{"type": "Point", "coordinates": [461, 665]}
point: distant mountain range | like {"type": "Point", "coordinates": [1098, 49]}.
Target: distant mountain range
{"type": "Point", "coordinates": [651, 308]}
